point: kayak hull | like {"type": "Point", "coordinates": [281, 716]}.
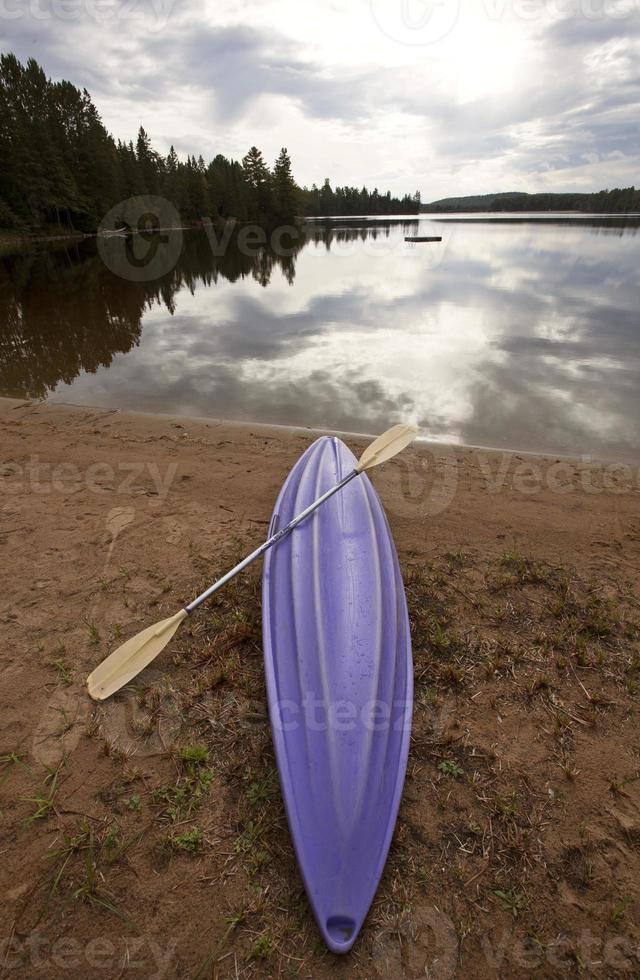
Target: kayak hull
{"type": "Point", "coordinates": [339, 684]}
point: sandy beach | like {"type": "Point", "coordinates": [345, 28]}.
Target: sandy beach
{"type": "Point", "coordinates": [516, 850]}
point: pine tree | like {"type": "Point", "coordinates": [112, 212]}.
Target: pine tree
{"type": "Point", "coordinates": [259, 204]}
{"type": "Point", "coordinates": [284, 188]}
{"type": "Point", "coordinates": [326, 198]}
{"type": "Point", "coordinates": [255, 169]}
{"type": "Point", "coordinates": [148, 163]}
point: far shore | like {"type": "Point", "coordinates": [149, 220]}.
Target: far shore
{"type": "Point", "coordinates": [16, 240]}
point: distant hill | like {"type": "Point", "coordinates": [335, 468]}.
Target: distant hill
{"type": "Point", "coordinates": [619, 199]}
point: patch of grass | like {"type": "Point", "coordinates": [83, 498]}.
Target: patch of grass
{"type": "Point", "coordinates": [185, 795]}
{"type": "Point", "coordinates": [505, 806]}
{"type": "Point", "coordinates": [262, 790]}
{"type": "Point", "coordinates": [189, 841]}
{"type": "Point", "coordinates": [8, 762]}
{"type": "Point", "coordinates": [79, 864]}
{"type": "Point", "coordinates": [112, 843]}
{"type": "Point", "coordinates": [111, 749]}
{"type": "Point", "coordinates": [233, 921]}
{"type": "Point", "coordinates": [577, 867]}
{"type": "Point", "coordinates": [93, 631]}
{"type": "Point", "coordinates": [511, 901]}
{"type": "Point", "coordinates": [451, 676]}
{"type": "Point", "coordinates": [569, 770]}
{"type": "Point", "coordinates": [263, 946]}
{"type": "Point", "coordinates": [427, 698]}
{"type": "Point", "coordinates": [525, 570]}
{"type": "Point", "coordinates": [45, 802]}
{"type": "Point", "coordinates": [616, 786]}
{"type": "Point", "coordinates": [249, 838]}
{"type": "Point", "coordinates": [600, 617]}
{"type": "Point", "coordinates": [196, 755]}
{"type": "Point", "coordinates": [440, 638]}
{"type": "Point", "coordinates": [456, 559]}
{"type": "Point", "coordinates": [64, 672]}
{"type": "Point", "coordinates": [67, 722]}
{"type": "Point", "coordinates": [249, 845]}
{"type": "Point", "coordinates": [619, 910]}
{"type": "Point", "coordinates": [449, 767]}
{"type": "Point", "coordinates": [92, 725]}
{"type": "Point", "coordinates": [91, 889]}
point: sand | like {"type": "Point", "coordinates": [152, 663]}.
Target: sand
{"type": "Point", "coordinates": [517, 846]}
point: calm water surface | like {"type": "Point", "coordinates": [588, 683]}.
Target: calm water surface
{"type": "Point", "coordinates": [518, 333]}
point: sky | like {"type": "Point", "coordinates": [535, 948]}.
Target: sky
{"type": "Point", "coordinates": [448, 97]}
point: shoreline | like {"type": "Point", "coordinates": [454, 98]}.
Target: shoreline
{"type": "Point", "coordinates": [23, 240]}
{"type": "Point", "coordinates": [433, 444]}
{"type": "Point", "coordinates": [18, 240]}
{"type": "Point", "coordinates": [15, 240]}
{"type": "Point", "coordinates": [431, 479]}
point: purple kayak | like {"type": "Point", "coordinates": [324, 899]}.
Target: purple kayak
{"type": "Point", "coordinates": [339, 683]}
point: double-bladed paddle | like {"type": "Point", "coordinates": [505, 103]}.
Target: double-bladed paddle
{"type": "Point", "coordinates": [135, 654]}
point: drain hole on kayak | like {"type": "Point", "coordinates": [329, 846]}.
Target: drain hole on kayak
{"type": "Point", "coordinates": [340, 928]}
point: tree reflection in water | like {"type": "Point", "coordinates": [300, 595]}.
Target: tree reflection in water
{"type": "Point", "coordinates": [64, 311]}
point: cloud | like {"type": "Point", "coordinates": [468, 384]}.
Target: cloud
{"type": "Point", "coordinates": [239, 65]}
{"type": "Point", "coordinates": [585, 31]}
{"type": "Point", "coordinates": [499, 102]}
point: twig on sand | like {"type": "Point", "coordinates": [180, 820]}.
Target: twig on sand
{"type": "Point", "coordinates": [8, 950]}
{"type": "Point", "coordinates": [476, 875]}
{"type": "Point", "coordinates": [587, 695]}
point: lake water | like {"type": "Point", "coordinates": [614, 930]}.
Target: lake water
{"type": "Point", "coordinates": [518, 333]}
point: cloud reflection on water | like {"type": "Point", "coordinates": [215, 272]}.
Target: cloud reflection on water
{"type": "Point", "coordinates": [511, 335]}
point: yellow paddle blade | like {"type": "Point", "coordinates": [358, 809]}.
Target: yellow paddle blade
{"type": "Point", "coordinates": [387, 445]}
{"type": "Point", "coordinates": [132, 657]}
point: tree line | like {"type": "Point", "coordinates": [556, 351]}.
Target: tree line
{"type": "Point", "coordinates": [351, 200]}
{"type": "Point", "coordinates": [60, 168]}
{"type": "Point", "coordinates": [617, 200]}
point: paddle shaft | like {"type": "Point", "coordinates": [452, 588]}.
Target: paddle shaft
{"type": "Point", "coordinates": [269, 543]}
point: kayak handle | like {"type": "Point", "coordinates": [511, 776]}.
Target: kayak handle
{"type": "Point", "coordinates": [270, 542]}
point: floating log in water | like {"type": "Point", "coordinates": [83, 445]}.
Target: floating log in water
{"type": "Point", "coordinates": [422, 239]}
